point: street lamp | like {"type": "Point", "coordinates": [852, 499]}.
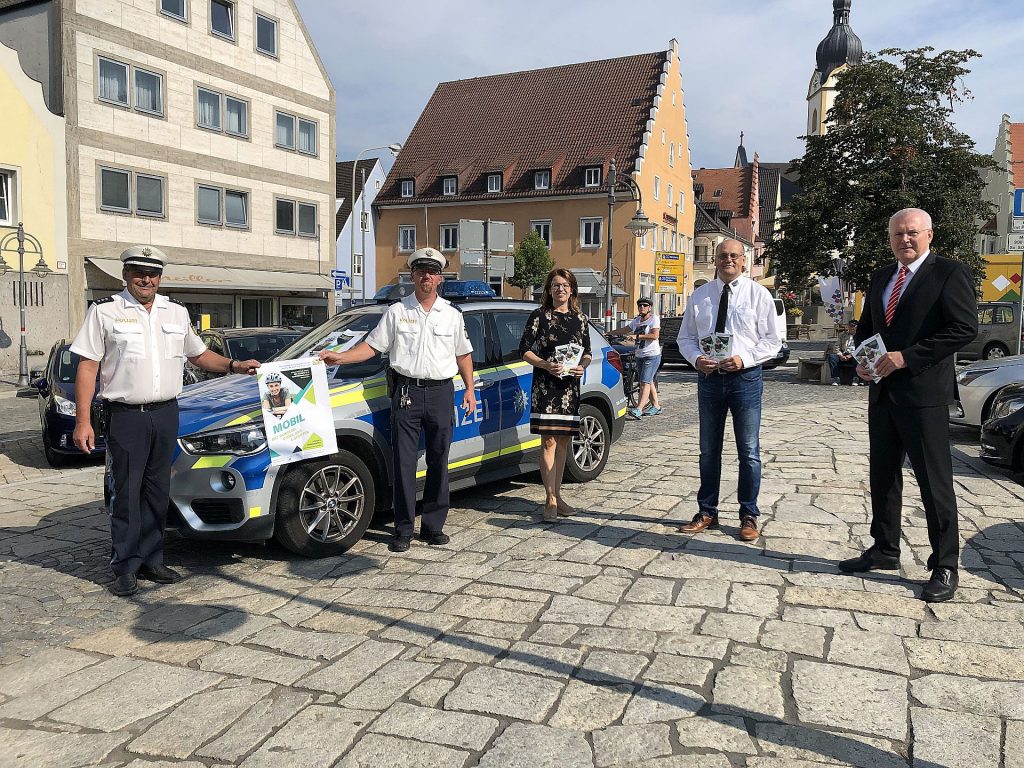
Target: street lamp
{"type": "Point", "coordinates": [394, 149]}
{"type": "Point", "coordinates": [40, 269]}
{"type": "Point", "coordinates": [639, 225]}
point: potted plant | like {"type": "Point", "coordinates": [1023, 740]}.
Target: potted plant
{"type": "Point", "coordinates": [794, 314]}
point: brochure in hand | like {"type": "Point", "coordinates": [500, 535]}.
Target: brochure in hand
{"type": "Point", "coordinates": [569, 355]}
{"type": "Point", "coordinates": [717, 346]}
{"type": "Point", "coordinates": [868, 352]}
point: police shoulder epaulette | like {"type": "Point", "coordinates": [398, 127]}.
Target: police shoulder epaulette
{"type": "Point", "coordinates": [104, 301]}
{"type": "Point", "coordinates": [175, 301]}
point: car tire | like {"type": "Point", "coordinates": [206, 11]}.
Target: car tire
{"type": "Point", "coordinates": [53, 458]}
{"type": "Point", "coordinates": [995, 351]}
{"type": "Point", "coordinates": [588, 453]}
{"type": "Point", "coordinates": [324, 507]}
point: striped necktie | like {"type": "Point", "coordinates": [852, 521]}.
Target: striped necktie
{"type": "Point", "coordinates": [894, 297]}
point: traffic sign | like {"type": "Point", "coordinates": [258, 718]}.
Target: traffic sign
{"type": "Point", "coordinates": [339, 273]}
{"type": "Point", "coordinates": [499, 235]}
{"type": "Point", "coordinates": [341, 283]}
{"type": "Point", "coordinates": [1017, 224]}
{"type": "Point", "coordinates": [1015, 242]}
{"type": "Point", "coordinates": [1018, 202]}
{"type": "Point", "coordinates": [669, 284]}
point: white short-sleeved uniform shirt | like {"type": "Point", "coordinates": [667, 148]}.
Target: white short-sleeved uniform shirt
{"type": "Point", "coordinates": [422, 345]}
{"type": "Point", "coordinates": [141, 354]}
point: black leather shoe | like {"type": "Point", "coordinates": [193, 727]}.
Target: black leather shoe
{"type": "Point", "coordinates": [161, 574]}
{"type": "Point", "coordinates": [869, 561]}
{"type": "Point", "coordinates": [434, 539]}
{"type": "Point", "coordinates": [124, 585]}
{"type": "Point", "coordinates": [941, 586]}
{"type": "Point", "coordinates": [400, 544]}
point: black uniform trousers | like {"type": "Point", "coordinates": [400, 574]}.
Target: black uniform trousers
{"type": "Point", "coordinates": [140, 448]}
{"type": "Point", "coordinates": [898, 431]}
{"type": "Point", "coordinates": [430, 412]}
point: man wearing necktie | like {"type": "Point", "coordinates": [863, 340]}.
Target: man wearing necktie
{"type": "Point", "coordinates": [734, 304]}
{"type": "Point", "coordinates": [924, 308]}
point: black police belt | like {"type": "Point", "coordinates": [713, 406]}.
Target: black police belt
{"type": "Point", "coordinates": [422, 383]}
{"type": "Point", "coordinates": [117, 407]}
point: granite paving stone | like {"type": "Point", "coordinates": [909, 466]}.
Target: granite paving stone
{"type": "Point", "coordinates": [388, 684]}
{"type": "Point", "coordinates": [682, 670]}
{"type": "Point", "coordinates": [802, 639]}
{"type": "Point", "coordinates": [657, 618]}
{"type": "Point", "coordinates": [856, 699]}
{"type": "Point", "coordinates": [872, 650]}
{"type": "Point", "coordinates": [638, 640]}
{"type": "Point", "coordinates": [452, 729]}
{"type": "Point", "coordinates": [609, 667]}
{"type": "Point", "coordinates": [540, 659]}
{"type": "Point", "coordinates": [662, 702]}
{"type": "Point", "coordinates": [375, 750]}
{"type": "Point", "coordinates": [978, 742]}
{"type": "Point", "coordinates": [522, 745]}
{"type": "Point", "coordinates": [749, 692]}
{"type": "Point", "coordinates": [38, 701]}
{"type": "Point", "coordinates": [992, 698]}
{"type": "Point", "coordinates": [567, 609]}
{"type": "Point", "coordinates": [41, 670]}
{"type": "Point", "coordinates": [964, 659]}
{"type": "Point", "coordinates": [236, 660]}
{"type": "Point", "coordinates": [585, 706]}
{"type": "Point", "coordinates": [351, 669]}
{"type": "Point", "coordinates": [430, 693]}
{"type": "Point", "coordinates": [717, 732]}
{"type": "Point", "coordinates": [48, 749]}
{"type": "Point", "coordinates": [307, 644]}
{"type": "Point", "coordinates": [792, 742]}
{"type": "Point", "coordinates": [1013, 748]}
{"type": "Point", "coordinates": [230, 627]}
{"type": "Point", "coordinates": [504, 693]}
{"type": "Point", "coordinates": [625, 744]}
{"type": "Point", "coordinates": [262, 719]}
{"type": "Point", "coordinates": [315, 738]}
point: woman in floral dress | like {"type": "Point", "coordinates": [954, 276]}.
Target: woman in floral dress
{"type": "Point", "coordinates": [554, 398]}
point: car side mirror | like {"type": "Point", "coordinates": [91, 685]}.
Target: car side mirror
{"type": "Point", "coordinates": [34, 375]}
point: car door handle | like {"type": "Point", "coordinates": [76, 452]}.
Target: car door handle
{"type": "Point", "coordinates": [484, 383]}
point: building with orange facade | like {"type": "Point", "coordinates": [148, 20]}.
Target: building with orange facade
{"type": "Point", "coordinates": [535, 149]}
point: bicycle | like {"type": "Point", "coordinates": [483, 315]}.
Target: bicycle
{"type": "Point", "coordinates": [630, 380]}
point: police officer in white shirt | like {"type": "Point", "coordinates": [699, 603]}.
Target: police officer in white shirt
{"type": "Point", "coordinates": [426, 341]}
{"type": "Point", "coordinates": [732, 304]}
{"type": "Point", "coordinates": [138, 342]}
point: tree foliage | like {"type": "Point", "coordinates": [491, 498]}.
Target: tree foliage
{"type": "Point", "coordinates": [533, 262]}
{"type": "Point", "coordinates": [891, 144]}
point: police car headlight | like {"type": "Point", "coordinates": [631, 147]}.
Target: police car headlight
{"type": "Point", "coordinates": [64, 406]}
{"type": "Point", "coordinates": [236, 441]}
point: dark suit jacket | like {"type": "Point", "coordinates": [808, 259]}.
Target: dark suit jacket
{"type": "Point", "coordinates": [937, 315]}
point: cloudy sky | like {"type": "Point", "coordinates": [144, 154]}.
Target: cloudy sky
{"type": "Point", "coordinates": [746, 63]}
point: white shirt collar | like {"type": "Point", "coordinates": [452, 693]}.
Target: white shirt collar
{"type": "Point", "coordinates": [733, 284]}
{"type": "Point", "coordinates": [916, 263]}
{"type": "Point", "coordinates": [411, 302]}
{"type": "Point", "coordinates": [159, 302]}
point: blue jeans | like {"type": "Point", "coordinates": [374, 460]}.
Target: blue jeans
{"type": "Point", "coordinates": [738, 393]}
{"type": "Point", "coordinates": [646, 367]}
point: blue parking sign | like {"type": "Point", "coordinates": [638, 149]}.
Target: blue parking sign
{"type": "Point", "coordinates": [1018, 202]}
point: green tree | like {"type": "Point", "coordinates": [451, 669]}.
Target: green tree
{"type": "Point", "coordinates": [891, 144]}
{"type": "Point", "coordinates": [533, 262]}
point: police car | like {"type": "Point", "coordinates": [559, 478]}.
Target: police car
{"type": "Point", "coordinates": [224, 487]}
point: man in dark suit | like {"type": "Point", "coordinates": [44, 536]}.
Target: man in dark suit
{"type": "Point", "coordinates": [924, 308]}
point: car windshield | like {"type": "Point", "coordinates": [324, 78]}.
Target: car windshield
{"type": "Point", "coordinates": [341, 332]}
{"type": "Point", "coordinates": [66, 366]}
{"type": "Point", "coordinates": [259, 347]}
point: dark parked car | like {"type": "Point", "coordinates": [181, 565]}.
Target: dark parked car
{"type": "Point", "coordinates": [1002, 436]}
{"type": "Point", "coordinates": [56, 387]}
{"type": "Point", "coordinates": [241, 344]}
{"type": "Point", "coordinates": [670, 354]}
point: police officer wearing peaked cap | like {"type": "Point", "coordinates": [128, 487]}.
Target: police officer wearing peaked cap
{"type": "Point", "coordinates": [138, 341]}
{"type": "Point", "coordinates": [426, 341]}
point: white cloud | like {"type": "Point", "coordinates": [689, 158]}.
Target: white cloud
{"type": "Point", "coordinates": [746, 64]}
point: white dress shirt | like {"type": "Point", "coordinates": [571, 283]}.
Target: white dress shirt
{"type": "Point", "coordinates": [912, 267]}
{"type": "Point", "coordinates": [141, 354]}
{"type": "Point", "coordinates": [750, 320]}
{"type": "Point", "coordinates": [422, 345]}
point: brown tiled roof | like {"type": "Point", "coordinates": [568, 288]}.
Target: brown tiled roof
{"type": "Point", "coordinates": [790, 182]}
{"type": "Point", "coordinates": [1017, 158]}
{"type": "Point", "coordinates": [735, 186]}
{"type": "Point", "coordinates": [343, 187]}
{"type": "Point", "coordinates": [561, 118]}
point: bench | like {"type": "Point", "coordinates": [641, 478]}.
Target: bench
{"type": "Point", "coordinates": [798, 331]}
{"type": "Point", "coordinates": [814, 369]}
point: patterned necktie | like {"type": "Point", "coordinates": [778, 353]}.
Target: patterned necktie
{"type": "Point", "coordinates": [894, 297]}
{"type": "Point", "coordinates": [723, 309]}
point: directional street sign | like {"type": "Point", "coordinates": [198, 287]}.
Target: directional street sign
{"type": "Point", "coordinates": [1018, 202]}
{"type": "Point", "coordinates": [1015, 242]}
{"type": "Point", "coordinates": [339, 273]}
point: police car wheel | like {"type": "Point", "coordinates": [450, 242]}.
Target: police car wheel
{"type": "Point", "coordinates": [588, 453]}
{"type": "Point", "coordinates": [325, 507]}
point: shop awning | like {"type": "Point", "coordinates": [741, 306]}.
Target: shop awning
{"type": "Point", "coordinates": [767, 282]}
{"type": "Point", "coordinates": [190, 276]}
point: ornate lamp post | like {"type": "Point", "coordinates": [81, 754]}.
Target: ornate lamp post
{"type": "Point", "coordinates": [639, 225]}
{"type": "Point", "coordinates": [394, 149]}
{"type": "Point", "coordinates": [7, 246]}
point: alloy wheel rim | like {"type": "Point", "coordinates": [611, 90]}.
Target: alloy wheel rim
{"type": "Point", "coordinates": [588, 448]}
{"type": "Point", "coordinates": [331, 503]}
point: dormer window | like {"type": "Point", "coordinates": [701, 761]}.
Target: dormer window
{"type": "Point", "coordinates": [542, 179]}
{"type": "Point", "coordinates": [408, 188]}
{"type": "Point", "coordinates": [592, 177]}
{"type": "Point", "coordinates": [494, 182]}
{"type": "Point", "coordinates": [717, 193]}
{"type": "Point", "coordinates": [450, 185]}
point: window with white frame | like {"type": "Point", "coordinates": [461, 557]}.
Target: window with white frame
{"type": "Point", "coordinates": [669, 197]}
{"type": "Point", "coordinates": [222, 18]}
{"type": "Point", "coordinates": [408, 188]}
{"type": "Point", "coordinates": [146, 95]}
{"type": "Point", "coordinates": [672, 154]}
{"type": "Point", "coordinates": [294, 217]}
{"type": "Point", "coordinates": [494, 182]}
{"type": "Point", "coordinates": [8, 190]}
{"type": "Point", "coordinates": [407, 238]}
{"type": "Point", "coordinates": [647, 285]}
{"type": "Point", "coordinates": [357, 264]}
{"type": "Point", "coordinates": [590, 232]}
{"type": "Point", "coordinates": [682, 198]}
{"type": "Point", "coordinates": [131, 192]}
{"type": "Point", "coordinates": [266, 35]}
{"type": "Point", "coordinates": [449, 237]}
{"type": "Point", "coordinates": [542, 179]}
{"type": "Point", "coordinates": [662, 135]}
{"type": "Point", "coordinates": [295, 133]}
{"type": "Point", "coordinates": [450, 185]}
{"type": "Point", "coordinates": [543, 228]}
{"type": "Point", "coordinates": [222, 207]}
{"type": "Point", "coordinates": [176, 9]}
{"type": "Point", "coordinates": [592, 177]}
{"type": "Point", "coordinates": [657, 187]}
{"type": "Point", "coordinates": [219, 112]}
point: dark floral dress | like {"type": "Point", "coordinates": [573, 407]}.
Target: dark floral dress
{"type": "Point", "coordinates": [554, 401]}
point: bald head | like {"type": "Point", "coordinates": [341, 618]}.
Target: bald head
{"type": "Point", "coordinates": [910, 234]}
{"type": "Point", "coordinates": [730, 260]}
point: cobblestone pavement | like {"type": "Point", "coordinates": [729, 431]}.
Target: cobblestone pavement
{"type": "Point", "coordinates": [607, 639]}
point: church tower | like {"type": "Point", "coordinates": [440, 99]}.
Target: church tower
{"type": "Point", "coordinates": [840, 48]}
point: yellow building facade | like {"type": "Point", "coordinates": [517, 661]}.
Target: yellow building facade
{"type": "Point", "coordinates": [32, 191]}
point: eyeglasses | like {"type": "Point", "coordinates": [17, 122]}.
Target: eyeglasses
{"type": "Point", "coordinates": [728, 256]}
{"type": "Point", "coordinates": [427, 271]}
{"type": "Point", "coordinates": [561, 287]}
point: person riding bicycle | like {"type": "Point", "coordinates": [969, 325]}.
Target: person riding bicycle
{"type": "Point", "coordinates": [644, 330]}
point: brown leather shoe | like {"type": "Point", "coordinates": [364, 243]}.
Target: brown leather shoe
{"type": "Point", "coordinates": [748, 528]}
{"type": "Point", "coordinates": [700, 522]}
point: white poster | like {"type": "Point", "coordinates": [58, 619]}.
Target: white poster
{"type": "Point", "coordinates": [296, 405]}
